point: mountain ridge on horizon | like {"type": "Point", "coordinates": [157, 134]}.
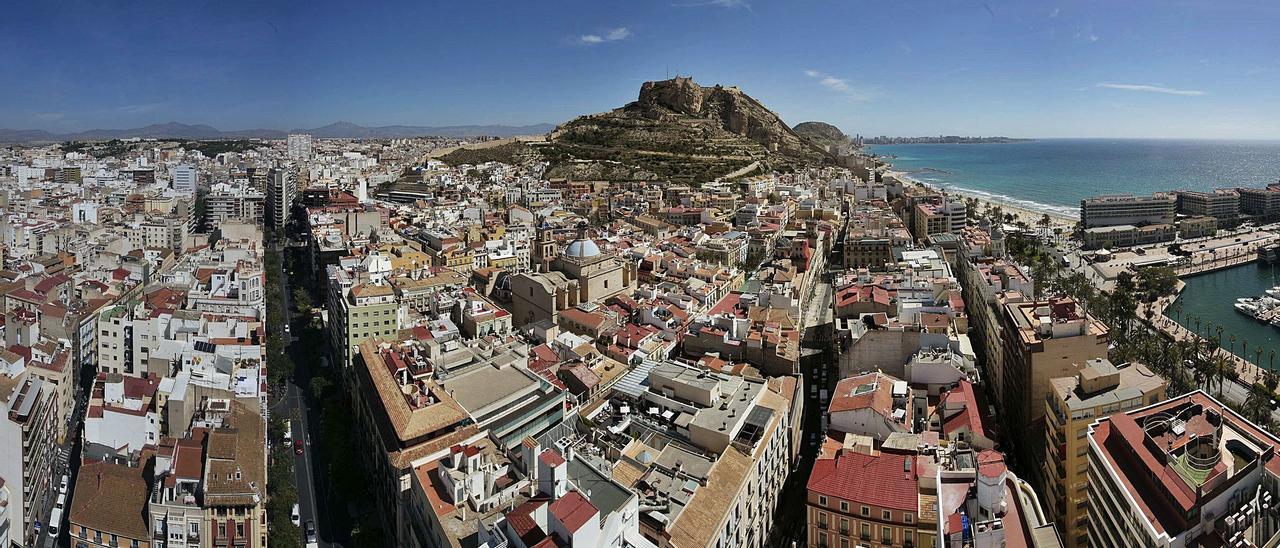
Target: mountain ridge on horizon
{"type": "Point", "coordinates": [335, 130]}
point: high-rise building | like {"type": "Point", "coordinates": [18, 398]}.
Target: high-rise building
{"type": "Point", "coordinates": [299, 146]}
{"type": "Point", "coordinates": [1098, 390]}
{"type": "Point", "coordinates": [281, 188]}
{"type": "Point", "coordinates": [27, 446]}
{"type": "Point", "coordinates": [185, 179]}
{"type": "Point", "coordinates": [1183, 472]}
{"type": "Point", "coordinates": [1042, 340]}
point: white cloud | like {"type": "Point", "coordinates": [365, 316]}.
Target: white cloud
{"type": "Point", "coordinates": [611, 35]}
{"type": "Point", "coordinates": [1152, 89]}
{"type": "Point", "coordinates": [1055, 12]}
{"type": "Point", "coordinates": [838, 84]}
{"type": "Point", "coordinates": [1087, 34]}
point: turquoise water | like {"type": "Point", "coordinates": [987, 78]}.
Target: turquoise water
{"type": "Point", "coordinates": [1055, 174]}
{"type": "Point", "coordinates": [1210, 298]}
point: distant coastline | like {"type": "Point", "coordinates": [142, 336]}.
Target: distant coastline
{"type": "Point", "coordinates": [940, 140]}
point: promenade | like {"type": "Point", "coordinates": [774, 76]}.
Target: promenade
{"type": "Point", "coordinates": [1248, 372]}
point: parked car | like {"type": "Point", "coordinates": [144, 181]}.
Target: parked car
{"type": "Point", "coordinates": [295, 517]}
{"type": "Point", "coordinates": [310, 530]}
{"type": "Point", "coordinates": [297, 446]}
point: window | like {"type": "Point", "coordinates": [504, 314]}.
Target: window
{"type": "Point", "coordinates": [822, 501]}
{"type": "Point", "coordinates": [844, 506]}
{"type": "Point", "coordinates": [844, 526]}
{"type": "Point", "coordinates": [886, 535]}
{"type": "Point", "coordinates": [866, 511]}
{"type": "Point", "coordinates": [907, 517]}
{"type": "Point", "coordinates": [886, 515]}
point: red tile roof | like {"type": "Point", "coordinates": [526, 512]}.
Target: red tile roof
{"type": "Point", "coordinates": [887, 480]}
{"type": "Point", "coordinates": [552, 458]}
{"type": "Point", "coordinates": [573, 510]}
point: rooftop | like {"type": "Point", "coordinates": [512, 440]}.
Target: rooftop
{"type": "Point", "coordinates": [1179, 454]}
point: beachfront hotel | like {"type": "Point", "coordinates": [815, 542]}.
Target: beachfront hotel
{"type": "Point", "coordinates": [1182, 472]}
{"type": "Point", "coordinates": [1127, 209]}
{"type": "Point", "coordinates": [1222, 204]}
{"type": "Point", "coordinates": [1261, 203]}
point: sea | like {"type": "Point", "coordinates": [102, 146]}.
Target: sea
{"type": "Point", "coordinates": [1209, 298]}
{"type": "Point", "coordinates": [1053, 175]}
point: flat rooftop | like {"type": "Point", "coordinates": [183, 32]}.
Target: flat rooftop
{"type": "Point", "coordinates": [1180, 453]}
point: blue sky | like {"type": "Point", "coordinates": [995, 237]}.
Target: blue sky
{"type": "Point", "coordinates": [916, 67]}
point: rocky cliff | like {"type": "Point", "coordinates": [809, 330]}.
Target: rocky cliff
{"type": "Point", "coordinates": [680, 130]}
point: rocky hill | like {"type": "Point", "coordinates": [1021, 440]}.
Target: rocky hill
{"type": "Point", "coordinates": [681, 131]}
{"type": "Point", "coordinates": [826, 136]}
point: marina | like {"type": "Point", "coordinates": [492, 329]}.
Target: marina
{"type": "Point", "coordinates": [1209, 302]}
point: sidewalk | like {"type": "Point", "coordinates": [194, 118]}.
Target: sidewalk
{"type": "Point", "coordinates": [1248, 372]}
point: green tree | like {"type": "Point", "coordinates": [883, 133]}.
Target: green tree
{"type": "Point", "coordinates": [320, 386]}
{"type": "Point", "coordinates": [302, 301]}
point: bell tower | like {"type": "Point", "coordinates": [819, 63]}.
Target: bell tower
{"type": "Point", "coordinates": [545, 249]}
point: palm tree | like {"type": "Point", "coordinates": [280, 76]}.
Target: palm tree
{"type": "Point", "coordinates": [1257, 404]}
{"type": "Point", "coordinates": [1233, 345]}
{"type": "Point", "coordinates": [1221, 364]}
{"type": "Point", "coordinates": [1197, 325]}
{"type": "Point", "coordinates": [1257, 359]}
{"type": "Point", "coordinates": [1271, 365]}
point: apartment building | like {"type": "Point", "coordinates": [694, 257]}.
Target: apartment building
{"type": "Point", "coordinates": [359, 310]}
{"type": "Point", "coordinates": [1097, 390]}
{"type": "Point", "coordinates": [282, 188]}
{"type": "Point", "coordinates": [225, 203]}
{"type": "Point", "coordinates": [27, 446]}
{"type": "Point", "coordinates": [988, 285]}
{"type": "Point", "coordinates": [109, 509]}
{"type": "Point", "coordinates": [1127, 209]}
{"type": "Point", "coordinates": [937, 217]}
{"type": "Point", "coordinates": [210, 491]}
{"type": "Point", "coordinates": [298, 146]}
{"type": "Point", "coordinates": [903, 494]}
{"type": "Point", "coordinates": [722, 451]}
{"type": "Point", "coordinates": [1043, 340]}
{"type": "Point", "coordinates": [1180, 473]}
{"type": "Point", "coordinates": [185, 179]}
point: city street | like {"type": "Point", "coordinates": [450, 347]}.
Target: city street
{"type": "Point", "coordinates": [295, 406]}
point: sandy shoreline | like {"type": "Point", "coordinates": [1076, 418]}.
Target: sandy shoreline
{"type": "Point", "coordinates": [1023, 212]}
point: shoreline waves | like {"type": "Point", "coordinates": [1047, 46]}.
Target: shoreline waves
{"type": "Point", "coordinates": [1033, 210]}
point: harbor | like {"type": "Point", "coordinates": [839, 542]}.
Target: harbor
{"type": "Point", "coordinates": [1212, 300]}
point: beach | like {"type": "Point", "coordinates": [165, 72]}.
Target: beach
{"type": "Point", "coordinates": [1030, 214]}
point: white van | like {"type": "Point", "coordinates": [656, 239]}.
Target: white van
{"type": "Point", "coordinates": [55, 522]}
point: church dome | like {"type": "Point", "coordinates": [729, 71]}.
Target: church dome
{"type": "Point", "coordinates": [582, 248]}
